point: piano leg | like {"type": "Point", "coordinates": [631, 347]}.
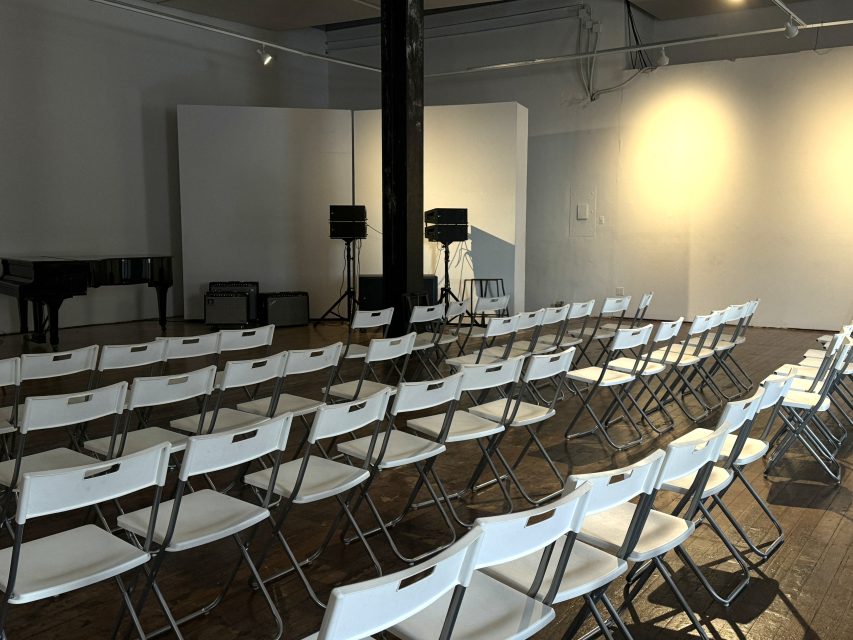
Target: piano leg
{"type": "Point", "coordinates": [23, 316]}
{"type": "Point", "coordinates": [53, 305]}
{"type": "Point", "coordinates": [162, 290]}
{"type": "Point", "coordinates": [38, 321]}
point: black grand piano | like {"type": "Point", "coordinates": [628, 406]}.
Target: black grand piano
{"type": "Point", "coordinates": [46, 281]}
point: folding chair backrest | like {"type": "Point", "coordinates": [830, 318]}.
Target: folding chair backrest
{"type": "Point", "coordinates": [611, 488]}
{"type": "Point", "coordinates": [47, 412]}
{"type": "Point", "coordinates": [645, 301]}
{"type": "Point", "coordinates": [36, 366]}
{"type": "Point", "coordinates": [415, 396]}
{"type": "Point", "coordinates": [128, 356]}
{"type": "Point", "coordinates": [555, 315]}
{"type": "Point", "coordinates": [239, 339]}
{"type": "Point", "coordinates": [501, 326]}
{"type": "Point", "coordinates": [216, 451]}
{"type": "Point", "coordinates": [737, 412]}
{"type": "Point", "coordinates": [580, 310]}
{"type": "Point", "coordinates": [631, 338]}
{"type": "Point", "coordinates": [381, 349]}
{"type": "Point", "coordinates": [549, 365]}
{"type": "Point", "coordinates": [775, 388]}
{"type": "Point", "coordinates": [180, 347]}
{"type": "Point", "coordinates": [364, 609]}
{"type": "Point", "coordinates": [700, 325]}
{"type": "Point", "coordinates": [616, 305]}
{"type": "Point", "coordinates": [688, 456]}
{"type": "Point", "coordinates": [337, 419]}
{"type": "Point", "coordinates": [48, 492]}
{"type": "Point", "coordinates": [529, 320]}
{"type": "Point", "coordinates": [311, 360]}
{"type": "Point", "coordinates": [372, 319]}
{"type": "Point", "coordinates": [155, 390]}
{"type": "Point", "coordinates": [488, 376]}
{"type": "Point", "coordinates": [455, 309]}
{"type": "Point", "coordinates": [668, 330]}
{"type": "Point", "coordinates": [515, 535]}
{"type": "Point", "coordinates": [491, 304]}
{"type": "Point", "coordinates": [10, 372]}
{"type": "Point", "coordinates": [244, 373]}
{"type": "Point", "coordinates": [431, 313]}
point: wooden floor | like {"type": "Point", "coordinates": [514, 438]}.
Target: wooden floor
{"type": "Point", "coordinates": [804, 591]}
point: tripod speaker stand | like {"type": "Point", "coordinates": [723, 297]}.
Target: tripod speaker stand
{"type": "Point", "coordinates": [446, 226]}
{"type": "Point", "coordinates": [446, 291]}
{"type": "Point", "coordinates": [348, 294]}
{"type": "Point", "coordinates": [347, 223]}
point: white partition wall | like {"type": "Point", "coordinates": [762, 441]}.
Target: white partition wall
{"type": "Point", "coordinates": [475, 156]}
{"type": "Point", "coordinates": [256, 185]}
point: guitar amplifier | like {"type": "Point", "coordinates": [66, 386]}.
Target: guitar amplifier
{"type": "Point", "coordinates": [236, 286]}
{"type": "Point", "coordinates": [284, 308]}
{"type": "Point", "coordinates": [225, 308]}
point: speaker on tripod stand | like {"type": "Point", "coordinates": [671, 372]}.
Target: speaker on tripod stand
{"type": "Point", "coordinates": [347, 223]}
{"type": "Point", "coordinates": [446, 226]}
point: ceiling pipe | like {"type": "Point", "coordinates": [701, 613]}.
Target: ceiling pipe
{"type": "Point", "coordinates": [232, 34]}
{"type": "Point", "coordinates": [633, 49]}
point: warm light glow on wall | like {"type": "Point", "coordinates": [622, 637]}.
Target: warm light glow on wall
{"type": "Point", "coordinates": [680, 150]}
{"type": "Point", "coordinates": [827, 155]}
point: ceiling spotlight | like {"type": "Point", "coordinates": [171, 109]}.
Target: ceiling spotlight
{"type": "Point", "coordinates": [266, 57]}
{"type": "Point", "coordinates": [663, 59]}
{"type": "Point", "coordinates": [791, 29]}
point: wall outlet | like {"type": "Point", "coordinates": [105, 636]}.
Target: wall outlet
{"type": "Point", "coordinates": [601, 220]}
{"type": "Point", "coordinates": [620, 291]}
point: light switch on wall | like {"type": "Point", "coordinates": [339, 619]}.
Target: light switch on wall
{"type": "Point", "coordinates": [583, 211]}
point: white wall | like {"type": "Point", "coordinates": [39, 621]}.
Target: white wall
{"type": "Point", "coordinates": [475, 156]}
{"type": "Point", "coordinates": [256, 185]}
{"type": "Point", "coordinates": [89, 133]}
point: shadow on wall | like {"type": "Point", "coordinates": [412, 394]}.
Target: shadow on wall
{"type": "Point", "coordinates": [493, 258]}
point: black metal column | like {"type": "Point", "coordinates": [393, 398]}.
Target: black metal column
{"type": "Point", "coordinates": [402, 153]}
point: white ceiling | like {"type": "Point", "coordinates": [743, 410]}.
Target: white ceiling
{"type": "Point", "coordinates": [280, 15]}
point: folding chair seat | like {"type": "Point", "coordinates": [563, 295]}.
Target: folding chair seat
{"type": "Point", "coordinates": [51, 412]}
{"type": "Point", "coordinates": [85, 555]}
{"type": "Point", "coordinates": [736, 416]}
{"type": "Point", "coordinates": [529, 322]}
{"type": "Point", "coordinates": [660, 532]}
{"type": "Point", "coordinates": [155, 391]}
{"type": "Point", "coordinates": [598, 377]}
{"type": "Point", "coordinates": [639, 315]}
{"type": "Point", "coordinates": [42, 366]}
{"type": "Point", "coordinates": [487, 608]}
{"type": "Point", "coordinates": [313, 478]}
{"type": "Point", "coordinates": [363, 321]}
{"type": "Point", "coordinates": [193, 519]}
{"type": "Point", "coordinates": [486, 308]}
{"type": "Point", "coordinates": [380, 350]}
{"type": "Point", "coordinates": [498, 327]}
{"type": "Point", "coordinates": [10, 376]}
{"type": "Point", "coordinates": [611, 308]}
{"type": "Point", "coordinates": [395, 449]}
{"type": "Point", "coordinates": [501, 377]}
{"type": "Point", "coordinates": [358, 610]}
{"type": "Point", "coordinates": [546, 342]}
{"type": "Point", "coordinates": [237, 374]}
{"type": "Point", "coordinates": [588, 571]}
{"type": "Point", "coordinates": [428, 324]}
{"type": "Point", "coordinates": [530, 411]}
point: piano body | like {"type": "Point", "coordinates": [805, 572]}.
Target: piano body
{"type": "Point", "coordinates": [46, 281]}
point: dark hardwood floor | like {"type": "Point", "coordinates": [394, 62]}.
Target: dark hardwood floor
{"type": "Point", "coordinates": [804, 591]}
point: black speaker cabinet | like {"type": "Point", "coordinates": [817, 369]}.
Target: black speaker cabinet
{"type": "Point", "coordinates": [284, 308]}
{"type": "Point", "coordinates": [236, 286]}
{"type": "Point", "coordinates": [347, 213]}
{"type": "Point", "coordinates": [371, 291]}
{"type": "Point", "coordinates": [446, 216]}
{"type": "Point", "coordinates": [347, 229]}
{"type": "Point", "coordinates": [446, 233]}
{"type": "Point", "coordinates": [226, 308]}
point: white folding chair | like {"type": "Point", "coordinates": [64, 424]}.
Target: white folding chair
{"type": "Point", "coordinates": [43, 366]}
{"type": "Point", "coordinates": [500, 378]}
{"type": "Point", "coordinates": [118, 357]}
{"type": "Point", "coordinates": [10, 376]}
{"type": "Point", "coordinates": [488, 608]}
{"type": "Point", "coordinates": [315, 478]}
{"type": "Point", "coordinates": [428, 323]}
{"type": "Point", "coordinates": [639, 315]}
{"type": "Point", "coordinates": [76, 558]}
{"type": "Point", "coordinates": [553, 318]}
{"type": "Point", "coordinates": [237, 374]}
{"type": "Point", "coordinates": [486, 308]}
{"type": "Point", "coordinates": [722, 349]}
{"type": "Point", "coordinates": [395, 449]}
{"type": "Point", "coordinates": [205, 347]}
{"type": "Point", "coordinates": [571, 336]}
{"type": "Point", "coordinates": [529, 324]}
{"type": "Point", "coordinates": [363, 321]}
{"type": "Point", "coordinates": [355, 611]}
{"type": "Point", "coordinates": [615, 381]}
{"type": "Point", "coordinates": [530, 411]}
{"type": "Point", "coordinates": [380, 350]}
{"type": "Point", "coordinates": [155, 391]}
{"type": "Point", "coordinates": [497, 327]}
{"type": "Point", "coordinates": [576, 569]}
{"type": "Point", "coordinates": [193, 519]}
{"type": "Point", "coordinates": [231, 340]}
{"type": "Point", "coordinates": [454, 313]}
{"type": "Point", "coordinates": [611, 309]}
